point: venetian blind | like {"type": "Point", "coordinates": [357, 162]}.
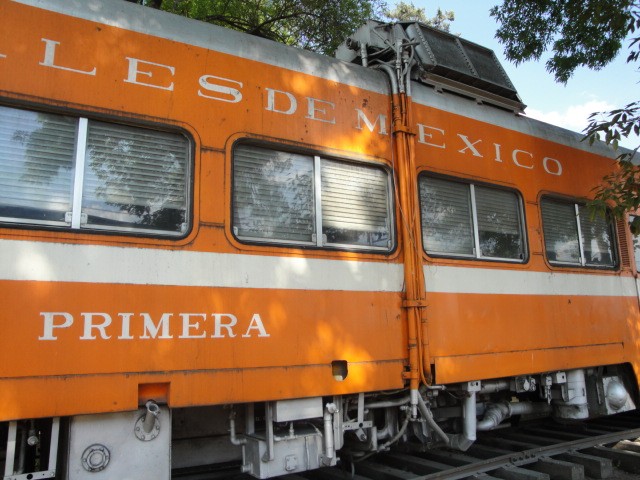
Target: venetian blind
{"type": "Point", "coordinates": [497, 211]}
{"type": "Point", "coordinates": [355, 204]}
{"type": "Point", "coordinates": [560, 231]}
{"type": "Point", "coordinates": [135, 177]}
{"type": "Point", "coordinates": [36, 165]}
{"type": "Point", "coordinates": [498, 215]}
{"type": "Point", "coordinates": [273, 194]}
{"type": "Point", "coordinates": [446, 217]}
{"type": "Point", "coordinates": [596, 236]}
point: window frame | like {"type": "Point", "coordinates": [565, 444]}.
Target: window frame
{"type": "Point", "coordinates": [477, 255]}
{"type": "Point", "coordinates": [74, 218]}
{"type": "Point", "coordinates": [577, 203]}
{"type": "Point", "coordinates": [318, 241]}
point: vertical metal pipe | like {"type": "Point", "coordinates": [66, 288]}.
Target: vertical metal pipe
{"type": "Point", "coordinates": [250, 420]}
{"type": "Point", "coordinates": [407, 198]}
{"type": "Point", "coordinates": [270, 454]}
{"type": "Point", "coordinates": [469, 412]}
{"type": "Point", "coordinates": [22, 452]}
{"type": "Point", "coordinates": [150, 416]}
{"type": "Point", "coordinates": [329, 444]}
{"type": "Point", "coordinates": [11, 449]}
{"type": "Point", "coordinates": [53, 445]}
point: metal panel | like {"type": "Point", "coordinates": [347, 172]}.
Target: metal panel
{"type": "Point", "coordinates": [298, 453]}
{"type": "Point", "coordinates": [298, 409]}
{"type": "Point", "coordinates": [107, 443]}
{"type": "Point", "coordinates": [458, 59]}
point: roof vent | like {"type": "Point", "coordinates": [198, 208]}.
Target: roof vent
{"type": "Point", "coordinates": [446, 61]}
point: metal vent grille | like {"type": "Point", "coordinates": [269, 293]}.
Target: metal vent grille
{"type": "Point", "coordinates": [622, 231]}
{"type": "Point", "coordinates": [457, 59]}
{"type": "Point", "coordinates": [445, 62]}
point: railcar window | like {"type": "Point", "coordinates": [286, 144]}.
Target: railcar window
{"type": "Point", "coordinates": [573, 236]}
{"type": "Point", "coordinates": [291, 198]}
{"type": "Point", "coordinates": [74, 172]}
{"type": "Point", "coordinates": [36, 166]}
{"type": "Point", "coordinates": [468, 220]}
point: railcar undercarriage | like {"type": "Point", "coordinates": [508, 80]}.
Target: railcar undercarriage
{"type": "Point", "coordinates": [287, 436]}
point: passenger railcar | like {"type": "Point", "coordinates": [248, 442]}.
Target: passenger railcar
{"type": "Point", "coordinates": [215, 249]}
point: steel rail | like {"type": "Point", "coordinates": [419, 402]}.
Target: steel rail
{"type": "Point", "coordinates": [528, 456]}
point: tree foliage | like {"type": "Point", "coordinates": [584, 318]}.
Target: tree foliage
{"type": "Point", "coordinates": [408, 12]}
{"type": "Point", "coordinates": [578, 32]}
{"type": "Point", "coordinates": [583, 33]}
{"type": "Point", "coordinates": [316, 25]}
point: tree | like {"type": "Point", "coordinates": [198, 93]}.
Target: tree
{"type": "Point", "coordinates": [408, 12]}
{"type": "Point", "coordinates": [586, 33]}
{"type": "Point", "coordinates": [316, 25]}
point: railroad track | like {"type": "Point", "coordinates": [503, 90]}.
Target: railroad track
{"type": "Point", "coordinates": [532, 451]}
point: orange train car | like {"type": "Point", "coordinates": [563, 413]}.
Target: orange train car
{"type": "Point", "coordinates": [215, 248]}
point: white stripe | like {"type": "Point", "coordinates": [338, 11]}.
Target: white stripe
{"type": "Point", "coordinates": [517, 282]}
{"type": "Point", "coordinates": [56, 262]}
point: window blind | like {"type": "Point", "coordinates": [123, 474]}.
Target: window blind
{"type": "Point", "coordinates": [285, 197]}
{"type": "Point", "coordinates": [560, 231]}
{"type": "Point", "coordinates": [36, 165]}
{"type": "Point", "coordinates": [135, 177]}
{"type": "Point", "coordinates": [355, 204]}
{"type": "Point", "coordinates": [273, 194]}
{"type": "Point", "coordinates": [596, 235]}
{"type": "Point", "coordinates": [499, 226]}
{"type": "Point", "coordinates": [446, 217]}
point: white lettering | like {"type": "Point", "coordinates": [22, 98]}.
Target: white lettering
{"type": "Point", "coordinates": [514, 156]}
{"type": "Point", "coordinates": [134, 73]}
{"type": "Point", "coordinates": [256, 324]}
{"type": "Point", "coordinates": [233, 95]}
{"type": "Point", "coordinates": [188, 326]}
{"type": "Point", "coordinates": [498, 157]}
{"type": "Point", "coordinates": [100, 327]}
{"type": "Point", "coordinates": [50, 58]}
{"type": "Point", "coordinates": [151, 329]}
{"type": "Point", "coordinates": [125, 324]}
{"type": "Point", "coordinates": [362, 117]}
{"type": "Point", "coordinates": [558, 166]}
{"type": "Point", "coordinates": [49, 320]}
{"type": "Point", "coordinates": [271, 102]}
{"type": "Point", "coordinates": [312, 110]}
{"type": "Point", "coordinates": [219, 325]}
{"type": "Point", "coordinates": [470, 146]}
{"type": "Point", "coordinates": [423, 135]}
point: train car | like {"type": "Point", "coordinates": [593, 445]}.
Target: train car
{"type": "Point", "coordinates": [217, 250]}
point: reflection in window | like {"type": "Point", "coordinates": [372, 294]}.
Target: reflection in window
{"type": "Point", "coordinates": [273, 195]}
{"type": "Point", "coordinates": [79, 173]}
{"type": "Point", "coordinates": [36, 166]}
{"type": "Point", "coordinates": [575, 236]}
{"type": "Point", "coordinates": [467, 220]}
{"type": "Point", "coordinates": [633, 219]}
{"type": "Point", "coordinates": [291, 198]}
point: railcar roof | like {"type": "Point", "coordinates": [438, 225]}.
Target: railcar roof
{"type": "Point", "coordinates": [129, 16]}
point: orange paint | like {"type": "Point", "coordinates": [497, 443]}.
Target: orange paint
{"type": "Point", "coordinates": [111, 345]}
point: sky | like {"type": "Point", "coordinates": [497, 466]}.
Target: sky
{"type": "Point", "coordinates": [567, 105]}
